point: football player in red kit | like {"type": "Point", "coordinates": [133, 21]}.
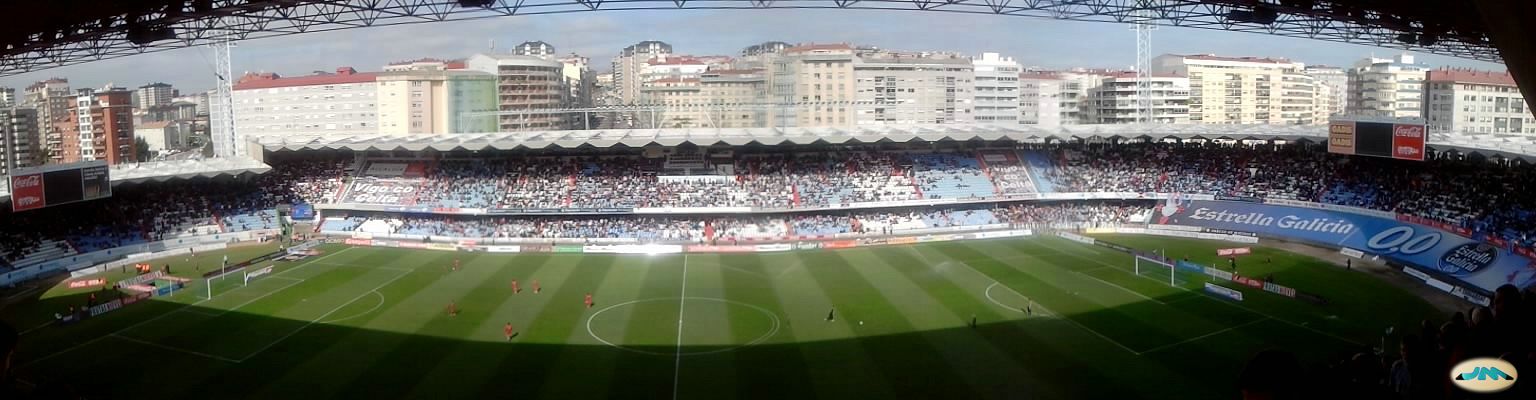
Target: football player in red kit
{"type": "Point", "coordinates": [589, 300]}
{"type": "Point", "coordinates": [514, 287]}
{"type": "Point", "coordinates": [507, 330]}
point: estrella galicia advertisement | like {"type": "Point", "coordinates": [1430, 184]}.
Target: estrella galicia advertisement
{"type": "Point", "coordinates": [1476, 263]}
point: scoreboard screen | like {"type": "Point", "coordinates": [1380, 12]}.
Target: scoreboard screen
{"type": "Point", "coordinates": [51, 185]}
{"type": "Point", "coordinates": [1400, 140]}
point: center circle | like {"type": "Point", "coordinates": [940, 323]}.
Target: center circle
{"type": "Point", "coordinates": [688, 315]}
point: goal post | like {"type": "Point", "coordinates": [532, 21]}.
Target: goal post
{"type": "Point", "coordinates": [1152, 267]}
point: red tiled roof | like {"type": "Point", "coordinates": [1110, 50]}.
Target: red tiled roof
{"type": "Point", "coordinates": [813, 47]}
{"type": "Point", "coordinates": [1472, 76]}
{"type": "Point", "coordinates": [1213, 57]}
{"type": "Point", "coordinates": [268, 80]}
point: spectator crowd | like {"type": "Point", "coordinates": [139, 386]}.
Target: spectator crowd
{"type": "Point", "coordinates": [1469, 192]}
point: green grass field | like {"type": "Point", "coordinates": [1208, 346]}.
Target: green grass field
{"type": "Point", "coordinates": [371, 323]}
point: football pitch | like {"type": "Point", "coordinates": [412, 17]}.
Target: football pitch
{"type": "Point", "coordinates": [1053, 319]}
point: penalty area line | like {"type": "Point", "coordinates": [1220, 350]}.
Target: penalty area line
{"type": "Point", "coordinates": [175, 349]}
{"type": "Point", "coordinates": [1196, 338]}
{"type": "Point", "coordinates": [168, 313]}
{"type": "Point", "coordinates": [1059, 316]}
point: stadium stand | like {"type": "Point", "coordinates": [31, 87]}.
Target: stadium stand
{"type": "Point", "coordinates": [1496, 204]}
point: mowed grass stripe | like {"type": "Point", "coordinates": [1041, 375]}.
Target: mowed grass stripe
{"type": "Point", "coordinates": [525, 369]}
{"type": "Point", "coordinates": [651, 327]}
{"type": "Point", "coordinates": [316, 362]}
{"type": "Point", "coordinates": [1062, 351]}
{"type": "Point", "coordinates": [585, 365]}
{"type": "Point", "coordinates": [837, 366]}
{"type": "Point", "coordinates": [943, 316]}
{"type": "Point", "coordinates": [1120, 268]}
{"type": "Point", "coordinates": [264, 321]}
{"type": "Point", "coordinates": [1095, 305]}
{"type": "Point", "coordinates": [468, 363]}
{"type": "Point", "coordinates": [250, 374]}
{"type": "Point", "coordinates": [712, 326]}
{"type": "Point", "coordinates": [773, 370]}
{"type": "Point", "coordinates": [888, 339]}
{"type": "Point", "coordinates": [1157, 324]}
{"type": "Point", "coordinates": [475, 291]}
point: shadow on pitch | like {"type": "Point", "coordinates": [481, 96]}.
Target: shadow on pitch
{"type": "Point", "coordinates": [196, 352]}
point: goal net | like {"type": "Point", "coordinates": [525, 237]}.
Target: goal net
{"type": "Point", "coordinates": [233, 279]}
{"type": "Point", "coordinates": [1158, 269]}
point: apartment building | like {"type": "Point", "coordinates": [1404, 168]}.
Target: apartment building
{"type": "Point", "coordinates": [711, 100]}
{"type": "Point", "coordinates": [153, 95]}
{"type": "Point", "coordinates": [268, 104]}
{"type": "Point", "coordinates": [1336, 82]}
{"type": "Point", "coordinates": [434, 96]}
{"type": "Point", "coordinates": [811, 85]}
{"type": "Point", "coordinates": [1238, 90]}
{"type": "Point", "coordinates": [18, 135]}
{"type": "Point", "coordinates": [628, 65]}
{"type": "Point", "coordinates": [1114, 100]}
{"type": "Point", "coordinates": [1471, 101]}
{"type": "Point", "coordinates": [54, 101]}
{"type": "Point", "coordinates": [996, 89]}
{"type": "Point", "coordinates": [1040, 98]}
{"type": "Point", "coordinates": [1387, 87]}
{"type": "Point", "coordinates": [103, 126]}
{"type": "Point", "coordinates": [527, 87]}
{"type": "Point", "coordinates": [913, 88]}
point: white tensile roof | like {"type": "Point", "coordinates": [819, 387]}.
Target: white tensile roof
{"type": "Point", "coordinates": [1507, 145]}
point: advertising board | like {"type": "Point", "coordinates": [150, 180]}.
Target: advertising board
{"type": "Point", "coordinates": [1475, 263]}
{"type": "Point", "coordinates": [1223, 291]}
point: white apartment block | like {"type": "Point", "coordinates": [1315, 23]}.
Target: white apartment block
{"type": "Point", "coordinates": [525, 87]}
{"type": "Point", "coordinates": [1040, 98]}
{"type": "Point", "coordinates": [344, 102]}
{"type": "Point", "coordinates": [433, 96]}
{"type": "Point", "coordinates": [1303, 101]}
{"type": "Point", "coordinates": [1336, 82]}
{"type": "Point", "coordinates": [1387, 87]}
{"type": "Point", "coordinates": [997, 89]}
{"type": "Point", "coordinates": [699, 102]}
{"type": "Point", "coordinates": [628, 65]}
{"type": "Point", "coordinates": [1237, 90]}
{"type": "Point", "coordinates": [580, 80]}
{"type": "Point", "coordinates": [18, 138]}
{"type": "Point", "coordinates": [1114, 100]}
{"type": "Point", "coordinates": [813, 84]}
{"type": "Point", "coordinates": [895, 88]}
{"type": "Point", "coordinates": [1467, 101]}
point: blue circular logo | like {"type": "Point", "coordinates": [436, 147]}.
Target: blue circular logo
{"type": "Point", "coordinates": [1468, 258]}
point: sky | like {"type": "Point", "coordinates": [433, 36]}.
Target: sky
{"type": "Point", "coordinates": [600, 35]}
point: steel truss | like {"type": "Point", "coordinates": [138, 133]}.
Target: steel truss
{"type": "Point", "coordinates": [253, 19]}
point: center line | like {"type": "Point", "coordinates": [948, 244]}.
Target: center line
{"type": "Point", "coordinates": [677, 365]}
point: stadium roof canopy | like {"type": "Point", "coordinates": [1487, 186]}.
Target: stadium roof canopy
{"type": "Point", "coordinates": [169, 170]}
{"type": "Point", "coordinates": [1509, 146]}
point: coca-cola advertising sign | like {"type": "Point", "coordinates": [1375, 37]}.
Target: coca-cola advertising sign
{"type": "Point", "coordinates": [1408, 142]}
{"type": "Point", "coordinates": [27, 192]}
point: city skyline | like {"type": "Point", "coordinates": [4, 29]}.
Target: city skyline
{"type": "Point", "coordinates": [1036, 43]}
